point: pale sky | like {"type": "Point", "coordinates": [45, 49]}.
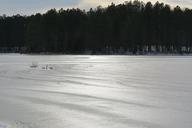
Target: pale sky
{"type": "Point", "coordinates": [28, 7]}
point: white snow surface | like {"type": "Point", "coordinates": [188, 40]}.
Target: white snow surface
{"type": "Point", "coordinates": [95, 91]}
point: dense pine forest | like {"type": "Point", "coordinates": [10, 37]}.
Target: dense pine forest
{"type": "Point", "coordinates": [132, 27]}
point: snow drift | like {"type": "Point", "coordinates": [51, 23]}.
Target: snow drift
{"type": "Point", "coordinates": [95, 92]}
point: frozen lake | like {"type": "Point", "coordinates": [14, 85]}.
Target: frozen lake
{"type": "Point", "coordinates": [95, 91]}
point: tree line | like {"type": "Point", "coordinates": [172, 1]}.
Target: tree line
{"type": "Point", "coordinates": [133, 27]}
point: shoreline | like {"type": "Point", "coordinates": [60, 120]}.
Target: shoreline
{"type": "Point", "coordinates": [50, 54]}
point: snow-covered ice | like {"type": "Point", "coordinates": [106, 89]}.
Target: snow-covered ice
{"type": "Point", "coordinates": [95, 91]}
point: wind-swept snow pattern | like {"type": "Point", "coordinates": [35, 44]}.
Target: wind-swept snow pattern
{"type": "Point", "coordinates": [95, 91]}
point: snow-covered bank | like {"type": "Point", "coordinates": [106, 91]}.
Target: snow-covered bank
{"type": "Point", "coordinates": [95, 91]}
